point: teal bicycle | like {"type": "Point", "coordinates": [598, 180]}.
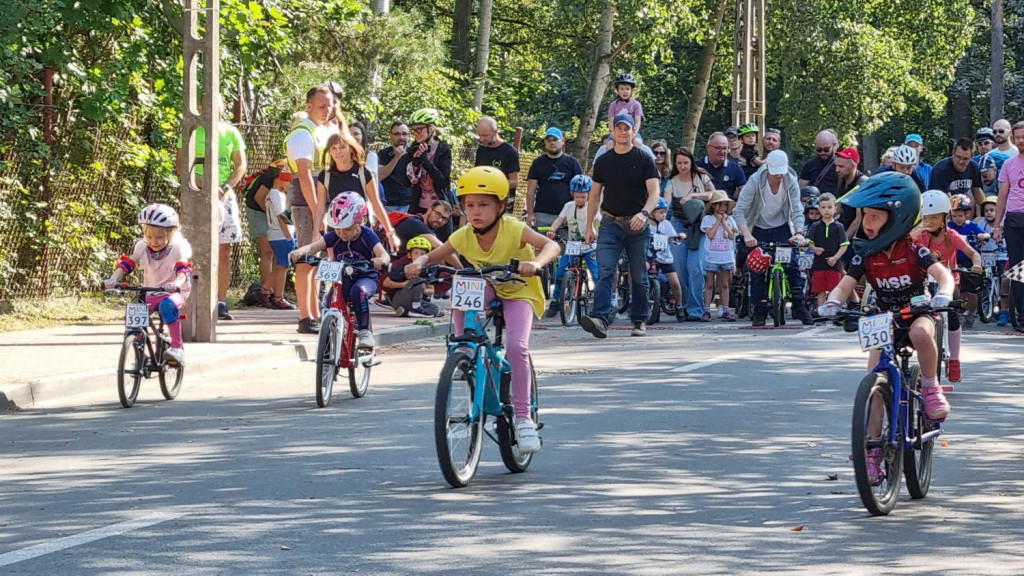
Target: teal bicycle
{"type": "Point", "coordinates": [475, 383]}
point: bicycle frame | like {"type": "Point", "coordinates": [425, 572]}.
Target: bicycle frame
{"type": "Point", "coordinates": [334, 304]}
{"type": "Point", "coordinates": [490, 364]}
{"type": "Point", "coordinates": [154, 333]}
{"type": "Point", "coordinates": [900, 412]}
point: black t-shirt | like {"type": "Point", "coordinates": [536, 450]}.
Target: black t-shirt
{"type": "Point", "coordinates": [748, 153]}
{"type": "Point", "coordinates": [896, 277]}
{"type": "Point", "coordinates": [409, 228]}
{"type": "Point", "coordinates": [624, 177]}
{"type": "Point", "coordinates": [821, 173]}
{"type": "Point", "coordinates": [830, 237]}
{"type": "Point", "coordinates": [553, 176]}
{"type": "Point", "coordinates": [397, 188]}
{"type": "Point", "coordinates": [265, 179]}
{"type": "Point", "coordinates": [946, 178]}
{"type": "Point", "coordinates": [848, 214]}
{"type": "Point", "coordinates": [347, 181]}
{"type": "Point", "coordinates": [504, 157]}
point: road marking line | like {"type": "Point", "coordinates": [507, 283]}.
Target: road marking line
{"type": "Point", "coordinates": [697, 366]}
{"type": "Point", "coordinates": [812, 331]}
{"type": "Point", "coordinates": [84, 538]}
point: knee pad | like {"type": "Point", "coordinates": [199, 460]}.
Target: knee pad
{"type": "Point", "coordinates": [169, 311]}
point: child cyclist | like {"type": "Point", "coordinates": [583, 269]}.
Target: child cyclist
{"type": "Point", "coordinates": [663, 258]}
{"type": "Point", "coordinates": [720, 262]}
{"type": "Point", "coordinates": [350, 240]}
{"type": "Point", "coordinates": [998, 253]}
{"type": "Point", "coordinates": [164, 257]}
{"type": "Point", "coordinates": [960, 220]}
{"type": "Point", "coordinates": [574, 215]}
{"type": "Point", "coordinates": [943, 243]}
{"type": "Point", "coordinates": [494, 238]}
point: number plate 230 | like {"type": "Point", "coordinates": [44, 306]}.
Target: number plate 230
{"type": "Point", "coordinates": [875, 331]}
{"type": "Point", "coordinates": [468, 293]}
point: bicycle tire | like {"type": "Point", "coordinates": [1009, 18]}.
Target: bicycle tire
{"type": "Point", "coordinates": [327, 359]}
{"type": "Point", "coordinates": [879, 500]}
{"type": "Point", "coordinates": [583, 301]}
{"type": "Point", "coordinates": [458, 461]}
{"type": "Point", "coordinates": [169, 386]}
{"type": "Point", "coordinates": [742, 297]}
{"type": "Point", "coordinates": [510, 456]}
{"type": "Point", "coordinates": [359, 371]}
{"type": "Point", "coordinates": [986, 302]}
{"type": "Point", "coordinates": [917, 463]}
{"type": "Point", "coordinates": [567, 298]}
{"type": "Point", "coordinates": [778, 304]}
{"type": "Point", "coordinates": [130, 380]}
{"type": "Point", "coordinates": [653, 300]}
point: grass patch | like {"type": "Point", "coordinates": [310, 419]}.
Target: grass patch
{"type": "Point", "coordinates": [33, 314]}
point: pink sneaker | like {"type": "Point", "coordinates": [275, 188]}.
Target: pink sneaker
{"type": "Point", "coordinates": [936, 407]}
{"type": "Point", "coordinates": [876, 466]}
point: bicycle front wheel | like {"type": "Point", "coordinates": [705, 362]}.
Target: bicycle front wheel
{"type": "Point", "coordinates": [130, 368]}
{"type": "Point", "coordinates": [327, 359]}
{"type": "Point", "coordinates": [778, 304]}
{"type": "Point", "coordinates": [567, 298]}
{"type": "Point", "coordinates": [170, 378]}
{"type": "Point", "coordinates": [359, 371]}
{"type": "Point", "coordinates": [879, 489]}
{"type": "Point", "coordinates": [986, 300]}
{"type": "Point", "coordinates": [457, 436]}
{"type": "Point", "coordinates": [917, 463]}
{"type": "Point", "coordinates": [653, 300]}
{"type": "Point", "coordinates": [514, 460]}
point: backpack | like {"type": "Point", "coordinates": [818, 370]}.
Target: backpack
{"type": "Point", "coordinates": [246, 183]}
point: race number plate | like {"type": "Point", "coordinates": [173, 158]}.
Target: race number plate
{"type": "Point", "coordinates": [806, 260]}
{"type": "Point", "coordinates": [875, 331]}
{"type": "Point", "coordinates": [136, 315]}
{"type": "Point", "coordinates": [468, 293]}
{"type": "Point", "coordinates": [783, 254]}
{"type": "Point", "coordinates": [329, 271]}
{"type": "Point", "coordinates": [988, 259]}
{"type": "Point", "coordinates": [573, 248]}
{"type": "Point", "coordinates": [660, 242]}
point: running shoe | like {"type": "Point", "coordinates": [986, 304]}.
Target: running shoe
{"type": "Point", "coordinates": [936, 407]}
{"type": "Point", "coordinates": [527, 438]}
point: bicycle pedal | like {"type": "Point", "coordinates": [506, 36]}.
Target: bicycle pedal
{"type": "Point", "coordinates": [540, 426]}
{"type": "Point", "coordinates": [371, 363]}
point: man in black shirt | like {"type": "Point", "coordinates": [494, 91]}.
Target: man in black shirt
{"type": "Point", "coordinates": [820, 171]}
{"type": "Point", "coordinates": [630, 183]}
{"type": "Point", "coordinates": [432, 225]}
{"type": "Point", "coordinates": [959, 173]}
{"type": "Point", "coordinates": [493, 151]}
{"type": "Point", "coordinates": [393, 162]}
{"type": "Point", "coordinates": [547, 189]}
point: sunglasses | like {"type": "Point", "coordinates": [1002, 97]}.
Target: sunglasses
{"type": "Point", "coordinates": [823, 150]}
{"type": "Point", "coordinates": [1001, 131]}
{"type": "Point", "coordinates": [659, 152]}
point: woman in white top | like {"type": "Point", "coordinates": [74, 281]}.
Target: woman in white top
{"type": "Point", "coordinates": [686, 192]}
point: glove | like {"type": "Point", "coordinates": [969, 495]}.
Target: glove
{"type": "Point", "coordinates": [940, 300]}
{"type": "Point", "coordinates": [829, 309]}
{"type": "Point", "coordinates": [109, 283]}
{"type": "Point", "coordinates": [172, 287]}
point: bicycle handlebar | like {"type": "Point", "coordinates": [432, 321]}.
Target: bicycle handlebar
{"type": "Point", "coordinates": [432, 272]}
{"type": "Point", "coordinates": [907, 313]}
{"type": "Point", "coordinates": [124, 288]}
{"type": "Point", "coordinates": [350, 268]}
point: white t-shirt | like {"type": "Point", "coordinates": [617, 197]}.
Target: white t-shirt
{"type": "Point", "coordinates": [276, 201]}
{"type": "Point", "coordinates": [720, 248]}
{"type": "Point", "coordinates": [773, 212]}
{"type": "Point", "coordinates": [576, 219]}
{"type": "Point", "coordinates": [664, 256]}
{"type": "Point", "coordinates": [157, 272]}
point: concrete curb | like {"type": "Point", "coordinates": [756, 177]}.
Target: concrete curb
{"type": "Point", "coordinates": [25, 394]}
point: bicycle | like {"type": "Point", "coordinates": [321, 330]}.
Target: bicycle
{"type": "Point", "coordinates": [140, 357]}
{"type": "Point", "coordinates": [476, 380]}
{"type": "Point", "coordinates": [664, 299]}
{"type": "Point", "coordinates": [986, 288]}
{"type": "Point", "coordinates": [574, 292]}
{"type": "Point", "coordinates": [907, 436]}
{"type": "Point", "coordinates": [336, 344]}
{"type": "Point", "coordinates": [778, 282]}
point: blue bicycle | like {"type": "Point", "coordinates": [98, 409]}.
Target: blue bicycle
{"type": "Point", "coordinates": [888, 412]}
{"type": "Point", "coordinates": [476, 380]}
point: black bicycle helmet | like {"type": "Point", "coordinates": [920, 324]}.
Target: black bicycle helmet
{"type": "Point", "coordinates": [809, 194]}
{"type": "Point", "coordinates": [625, 78]}
{"type": "Point", "coordinates": [893, 192]}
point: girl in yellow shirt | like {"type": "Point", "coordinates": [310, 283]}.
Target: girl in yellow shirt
{"type": "Point", "coordinates": [494, 239]}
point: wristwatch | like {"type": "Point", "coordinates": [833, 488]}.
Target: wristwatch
{"type": "Point", "coordinates": [645, 213]}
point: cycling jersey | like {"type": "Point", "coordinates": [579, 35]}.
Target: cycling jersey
{"type": "Point", "coordinates": [943, 251]}
{"type": "Point", "coordinates": [897, 276]}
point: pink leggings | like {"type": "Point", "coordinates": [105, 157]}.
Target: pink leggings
{"type": "Point", "coordinates": [173, 328]}
{"type": "Point", "coordinates": [518, 323]}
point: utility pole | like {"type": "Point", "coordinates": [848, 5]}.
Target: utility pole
{"type": "Point", "coordinates": [199, 215]}
{"type": "Point", "coordinates": [748, 98]}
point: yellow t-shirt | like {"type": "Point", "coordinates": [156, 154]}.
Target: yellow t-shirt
{"type": "Point", "coordinates": [507, 245]}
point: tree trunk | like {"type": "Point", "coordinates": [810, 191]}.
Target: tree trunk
{"type": "Point", "coordinates": [960, 124]}
{"type": "Point", "coordinates": [998, 63]}
{"type": "Point", "coordinates": [869, 143]}
{"type": "Point", "coordinates": [700, 87]}
{"type": "Point", "coordinates": [483, 52]}
{"type": "Point", "coordinates": [460, 35]}
{"type": "Point", "coordinates": [599, 79]}
{"type": "Point", "coordinates": [380, 7]}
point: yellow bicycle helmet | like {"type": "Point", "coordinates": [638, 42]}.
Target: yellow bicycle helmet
{"type": "Point", "coordinates": [483, 180]}
{"type": "Point", "coordinates": [418, 242]}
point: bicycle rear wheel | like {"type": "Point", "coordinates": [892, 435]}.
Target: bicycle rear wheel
{"type": "Point", "coordinates": [874, 402]}
{"type": "Point", "coordinates": [917, 463]}
{"type": "Point", "coordinates": [567, 298]}
{"type": "Point", "coordinates": [170, 376]}
{"type": "Point", "coordinates": [510, 455]}
{"type": "Point", "coordinates": [457, 437]}
{"type": "Point", "coordinates": [328, 358]}
{"type": "Point", "coordinates": [130, 369]}
{"type": "Point", "coordinates": [359, 371]}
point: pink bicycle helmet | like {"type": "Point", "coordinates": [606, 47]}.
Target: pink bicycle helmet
{"type": "Point", "coordinates": [347, 209]}
{"type": "Point", "coordinates": [758, 262]}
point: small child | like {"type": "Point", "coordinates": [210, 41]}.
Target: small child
{"type": "Point", "coordinates": [751, 159]}
{"type": "Point", "coordinates": [943, 243]}
{"type": "Point", "coordinates": [164, 257]}
{"type": "Point", "coordinates": [350, 241]}
{"type": "Point", "coordinates": [407, 296]}
{"type": "Point", "coordinates": [989, 172]}
{"type": "Point", "coordinates": [997, 252]}
{"type": "Point", "coordinates": [663, 257]}
{"type": "Point", "coordinates": [625, 85]}
{"type": "Point", "coordinates": [963, 209]}
{"type": "Point", "coordinates": [828, 240]}
{"type": "Point", "coordinates": [720, 262]}
{"type": "Point", "coordinates": [812, 213]}
{"type": "Point", "coordinates": [574, 216]}
{"type": "Point", "coordinates": [281, 236]}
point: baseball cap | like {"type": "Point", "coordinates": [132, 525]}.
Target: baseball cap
{"type": "Point", "coordinates": [850, 154]}
{"type": "Point", "coordinates": [623, 118]}
{"type": "Point", "coordinates": [915, 138]}
{"type": "Point", "coordinates": [554, 133]}
{"type": "Point", "coordinates": [984, 133]}
{"type": "Point", "coordinates": [777, 162]}
{"type": "Point", "coordinates": [733, 131]}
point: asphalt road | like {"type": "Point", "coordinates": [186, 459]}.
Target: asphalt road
{"type": "Point", "coordinates": [688, 451]}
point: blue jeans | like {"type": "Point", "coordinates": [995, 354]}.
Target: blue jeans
{"type": "Point", "coordinates": [590, 258]}
{"type": "Point", "coordinates": [611, 241]}
{"type": "Point", "coordinates": [398, 208]}
{"type": "Point", "coordinates": [690, 269]}
{"type": "Point", "coordinates": [759, 282]}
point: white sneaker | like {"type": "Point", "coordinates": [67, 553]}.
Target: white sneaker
{"type": "Point", "coordinates": [529, 441]}
{"type": "Point", "coordinates": [174, 356]}
{"type": "Point", "coordinates": [366, 339]}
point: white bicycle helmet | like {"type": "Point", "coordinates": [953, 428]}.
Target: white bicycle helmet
{"type": "Point", "coordinates": [160, 215]}
{"type": "Point", "coordinates": [934, 202]}
{"type": "Point", "coordinates": [904, 155]}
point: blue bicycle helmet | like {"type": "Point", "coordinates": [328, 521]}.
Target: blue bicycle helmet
{"type": "Point", "coordinates": [580, 183]}
{"type": "Point", "coordinates": [893, 192]}
{"type": "Point", "coordinates": [661, 205]}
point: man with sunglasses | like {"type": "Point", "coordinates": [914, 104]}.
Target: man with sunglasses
{"type": "Point", "coordinates": [1004, 149]}
{"type": "Point", "coordinates": [820, 171]}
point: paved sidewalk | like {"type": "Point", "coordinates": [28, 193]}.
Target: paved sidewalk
{"type": "Point", "coordinates": [39, 365]}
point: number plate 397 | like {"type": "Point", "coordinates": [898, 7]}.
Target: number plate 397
{"type": "Point", "coordinates": [136, 315]}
